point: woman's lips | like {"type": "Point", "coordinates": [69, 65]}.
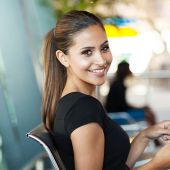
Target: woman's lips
{"type": "Point", "coordinates": [98, 72]}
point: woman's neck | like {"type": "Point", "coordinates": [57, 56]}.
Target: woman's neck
{"type": "Point", "coordinates": [79, 87]}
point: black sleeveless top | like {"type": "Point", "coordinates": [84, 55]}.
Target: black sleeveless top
{"type": "Point", "coordinates": [77, 109]}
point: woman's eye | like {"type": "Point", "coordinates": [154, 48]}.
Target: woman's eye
{"type": "Point", "coordinates": [105, 49]}
{"type": "Point", "coordinates": [87, 52]}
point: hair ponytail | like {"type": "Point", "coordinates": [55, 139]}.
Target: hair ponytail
{"type": "Point", "coordinates": [55, 79]}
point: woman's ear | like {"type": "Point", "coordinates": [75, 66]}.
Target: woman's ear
{"type": "Point", "coordinates": [62, 58]}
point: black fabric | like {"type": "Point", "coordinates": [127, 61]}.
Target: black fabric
{"type": "Point", "coordinates": [77, 109]}
{"type": "Point", "coordinates": [127, 168]}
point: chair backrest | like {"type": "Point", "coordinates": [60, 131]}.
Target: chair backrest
{"type": "Point", "coordinates": [43, 137]}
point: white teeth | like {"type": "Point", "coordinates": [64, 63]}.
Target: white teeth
{"type": "Point", "coordinates": [97, 71]}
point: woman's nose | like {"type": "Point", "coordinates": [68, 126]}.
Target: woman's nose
{"type": "Point", "coordinates": [100, 60]}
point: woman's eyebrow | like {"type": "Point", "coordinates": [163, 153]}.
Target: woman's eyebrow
{"type": "Point", "coordinates": [106, 42]}
{"type": "Point", "coordinates": [90, 47]}
{"type": "Point", "coordinates": [85, 48]}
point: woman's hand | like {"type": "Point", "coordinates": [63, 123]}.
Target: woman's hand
{"type": "Point", "coordinates": [160, 131]}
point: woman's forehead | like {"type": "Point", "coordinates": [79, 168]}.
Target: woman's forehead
{"type": "Point", "coordinates": [93, 34]}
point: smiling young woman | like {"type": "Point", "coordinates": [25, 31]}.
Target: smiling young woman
{"type": "Point", "coordinates": [76, 60]}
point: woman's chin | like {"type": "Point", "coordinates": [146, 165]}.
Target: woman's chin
{"type": "Point", "coordinates": [99, 83]}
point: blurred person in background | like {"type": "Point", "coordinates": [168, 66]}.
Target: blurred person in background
{"type": "Point", "coordinates": [76, 60]}
{"type": "Point", "coordinates": [116, 101]}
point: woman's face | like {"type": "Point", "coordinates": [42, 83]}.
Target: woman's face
{"type": "Point", "coordinates": [89, 57]}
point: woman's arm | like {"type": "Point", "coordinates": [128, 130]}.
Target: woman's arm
{"type": "Point", "coordinates": [88, 146]}
{"type": "Point", "coordinates": [140, 142]}
{"type": "Point", "coordinates": [161, 161]}
{"type": "Point", "coordinates": [138, 146]}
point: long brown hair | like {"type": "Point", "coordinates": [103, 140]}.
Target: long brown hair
{"type": "Point", "coordinates": [60, 38]}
